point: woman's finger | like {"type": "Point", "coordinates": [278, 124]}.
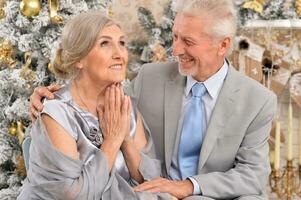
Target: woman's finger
{"type": "Point", "coordinates": [124, 106]}
{"type": "Point", "coordinates": [112, 98]}
{"type": "Point", "coordinates": [106, 101]}
{"type": "Point", "coordinates": [117, 98]}
{"type": "Point", "coordinates": [129, 106]}
{"type": "Point", "coordinates": [121, 91]}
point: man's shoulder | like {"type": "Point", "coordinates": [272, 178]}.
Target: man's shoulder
{"type": "Point", "coordinates": [250, 86]}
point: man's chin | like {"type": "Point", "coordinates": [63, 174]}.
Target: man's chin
{"type": "Point", "coordinates": [187, 72]}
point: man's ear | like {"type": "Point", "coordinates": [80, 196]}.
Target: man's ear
{"type": "Point", "coordinates": [224, 45]}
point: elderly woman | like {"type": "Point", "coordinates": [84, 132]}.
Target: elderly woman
{"type": "Point", "coordinates": [90, 142]}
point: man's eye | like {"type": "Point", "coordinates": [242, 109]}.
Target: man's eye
{"type": "Point", "coordinates": [188, 43]}
{"type": "Point", "coordinates": [122, 43]}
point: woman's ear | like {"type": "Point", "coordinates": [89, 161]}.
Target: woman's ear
{"type": "Point", "coordinates": [79, 64]}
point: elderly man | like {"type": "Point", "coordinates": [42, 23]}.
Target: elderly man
{"type": "Point", "coordinates": [210, 124]}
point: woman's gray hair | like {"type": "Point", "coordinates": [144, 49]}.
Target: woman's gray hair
{"type": "Point", "coordinates": [221, 13]}
{"type": "Point", "coordinates": [78, 38]}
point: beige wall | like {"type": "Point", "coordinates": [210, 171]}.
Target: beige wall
{"type": "Point", "coordinates": [125, 11]}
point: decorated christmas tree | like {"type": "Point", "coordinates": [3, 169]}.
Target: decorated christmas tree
{"type": "Point", "coordinates": [29, 32]}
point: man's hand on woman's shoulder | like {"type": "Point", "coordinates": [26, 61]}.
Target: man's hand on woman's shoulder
{"type": "Point", "coordinates": [35, 105]}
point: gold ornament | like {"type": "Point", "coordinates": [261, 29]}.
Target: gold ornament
{"type": "Point", "coordinates": [298, 7]}
{"type": "Point", "coordinates": [50, 67]}
{"type": "Point", "coordinates": [17, 129]}
{"type": "Point", "coordinates": [30, 8]}
{"type": "Point", "coordinates": [53, 8]}
{"type": "Point", "coordinates": [26, 73]}
{"type": "Point", "coordinates": [159, 54]}
{"type": "Point", "coordinates": [6, 53]}
{"type": "Point", "coordinates": [255, 5]}
{"type": "Point", "coordinates": [12, 130]}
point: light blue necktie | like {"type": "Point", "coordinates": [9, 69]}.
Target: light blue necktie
{"type": "Point", "coordinates": [192, 136]}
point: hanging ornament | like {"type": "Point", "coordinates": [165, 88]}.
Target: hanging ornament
{"type": "Point", "coordinates": [26, 73]}
{"type": "Point", "coordinates": [2, 12]}
{"type": "Point", "coordinates": [255, 5]}
{"type": "Point", "coordinates": [30, 8]}
{"type": "Point", "coordinates": [298, 7]}
{"type": "Point", "coordinates": [6, 53]}
{"type": "Point", "coordinates": [12, 130]}
{"type": "Point", "coordinates": [17, 130]}
{"type": "Point", "coordinates": [53, 8]}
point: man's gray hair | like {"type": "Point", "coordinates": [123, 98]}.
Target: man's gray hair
{"type": "Point", "coordinates": [221, 13]}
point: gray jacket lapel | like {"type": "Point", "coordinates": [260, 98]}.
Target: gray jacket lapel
{"type": "Point", "coordinates": [220, 115]}
{"type": "Point", "coordinates": [174, 90]}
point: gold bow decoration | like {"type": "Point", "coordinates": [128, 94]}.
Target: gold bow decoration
{"type": "Point", "coordinates": [255, 5]}
{"type": "Point", "coordinates": [53, 8]}
{"type": "Point", "coordinates": [26, 73]}
{"type": "Point", "coordinates": [17, 129]}
{"type": "Point", "coordinates": [6, 53]}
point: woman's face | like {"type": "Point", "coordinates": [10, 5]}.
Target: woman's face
{"type": "Point", "coordinates": [106, 62]}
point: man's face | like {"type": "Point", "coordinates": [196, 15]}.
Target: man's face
{"type": "Point", "coordinates": [197, 51]}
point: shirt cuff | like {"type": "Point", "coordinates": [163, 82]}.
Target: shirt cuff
{"type": "Point", "coordinates": [196, 186]}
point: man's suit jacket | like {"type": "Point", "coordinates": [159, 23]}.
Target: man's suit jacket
{"type": "Point", "coordinates": [234, 156]}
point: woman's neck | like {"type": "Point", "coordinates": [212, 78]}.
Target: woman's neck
{"type": "Point", "coordinates": [88, 94]}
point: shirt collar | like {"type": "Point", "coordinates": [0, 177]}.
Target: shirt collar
{"type": "Point", "coordinates": [212, 84]}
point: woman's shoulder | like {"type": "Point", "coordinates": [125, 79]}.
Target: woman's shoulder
{"type": "Point", "coordinates": [60, 111]}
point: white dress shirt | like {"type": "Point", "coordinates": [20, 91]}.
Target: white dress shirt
{"type": "Point", "coordinates": [213, 86]}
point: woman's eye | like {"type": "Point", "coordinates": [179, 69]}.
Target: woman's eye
{"type": "Point", "coordinates": [104, 43]}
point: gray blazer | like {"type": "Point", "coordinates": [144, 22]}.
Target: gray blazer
{"type": "Point", "coordinates": [234, 156]}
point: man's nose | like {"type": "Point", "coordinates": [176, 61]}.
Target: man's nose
{"type": "Point", "coordinates": [177, 48]}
